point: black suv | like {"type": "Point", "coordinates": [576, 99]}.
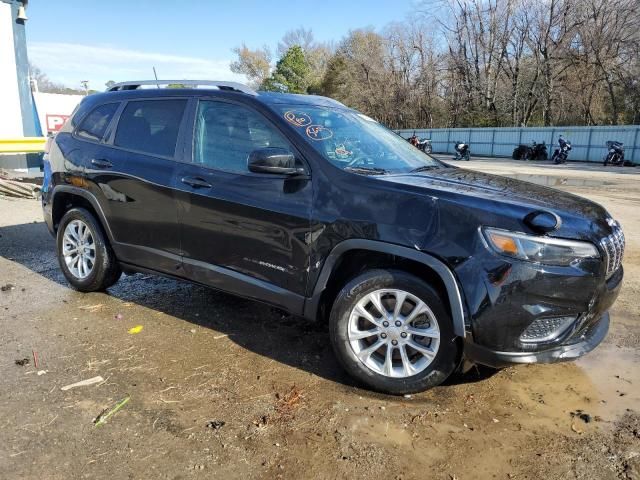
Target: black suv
{"type": "Point", "coordinates": [302, 203]}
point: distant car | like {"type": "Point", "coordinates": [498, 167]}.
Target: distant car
{"type": "Point", "coordinates": [302, 203]}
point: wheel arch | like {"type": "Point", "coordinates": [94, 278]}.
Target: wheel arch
{"type": "Point", "coordinates": [65, 195]}
{"type": "Point", "coordinates": [314, 304]}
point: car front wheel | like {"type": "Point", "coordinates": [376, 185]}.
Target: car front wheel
{"type": "Point", "coordinates": [392, 331]}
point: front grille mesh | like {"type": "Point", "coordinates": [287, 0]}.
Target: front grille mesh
{"type": "Point", "coordinates": [613, 247]}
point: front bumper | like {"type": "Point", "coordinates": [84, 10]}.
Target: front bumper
{"type": "Point", "coordinates": [578, 346]}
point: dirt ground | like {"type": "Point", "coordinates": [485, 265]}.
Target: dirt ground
{"type": "Point", "coordinates": [226, 388]}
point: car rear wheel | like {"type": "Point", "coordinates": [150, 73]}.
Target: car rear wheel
{"type": "Point", "coordinates": [84, 253]}
{"type": "Point", "coordinates": [391, 331]}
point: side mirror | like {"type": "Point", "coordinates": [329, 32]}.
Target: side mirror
{"type": "Point", "coordinates": [273, 160]}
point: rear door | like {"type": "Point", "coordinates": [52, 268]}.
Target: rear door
{"type": "Point", "coordinates": [241, 231]}
{"type": "Point", "coordinates": [133, 174]}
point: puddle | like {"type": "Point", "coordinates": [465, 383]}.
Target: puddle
{"type": "Point", "coordinates": [553, 181]}
{"type": "Point", "coordinates": [604, 384]}
{"type": "Point", "coordinates": [614, 374]}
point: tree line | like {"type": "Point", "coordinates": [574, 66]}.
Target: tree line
{"type": "Point", "coordinates": [463, 63]}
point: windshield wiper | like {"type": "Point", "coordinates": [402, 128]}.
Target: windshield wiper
{"type": "Point", "coordinates": [367, 170]}
{"type": "Point", "coordinates": [425, 168]}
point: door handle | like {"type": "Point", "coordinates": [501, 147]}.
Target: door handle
{"type": "Point", "coordinates": [196, 182]}
{"type": "Point", "coordinates": [101, 163]}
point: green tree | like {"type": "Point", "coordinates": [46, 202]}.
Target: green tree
{"type": "Point", "coordinates": [291, 74]}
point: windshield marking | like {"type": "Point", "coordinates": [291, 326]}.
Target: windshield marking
{"type": "Point", "coordinates": [342, 151]}
{"type": "Point", "coordinates": [318, 132]}
{"type": "Point", "coordinates": [356, 142]}
{"type": "Point", "coordinates": [297, 118]}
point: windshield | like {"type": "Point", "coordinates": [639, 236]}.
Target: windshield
{"type": "Point", "coordinates": [352, 141]}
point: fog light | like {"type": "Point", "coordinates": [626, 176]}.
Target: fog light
{"type": "Point", "coordinates": [546, 329]}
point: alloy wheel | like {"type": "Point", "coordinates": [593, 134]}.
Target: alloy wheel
{"type": "Point", "coordinates": [79, 249]}
{"type": "Point", "coordinates": [393, 333]}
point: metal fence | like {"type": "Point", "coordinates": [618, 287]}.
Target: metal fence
{"type": "Point", "coordinates": [587, 143]}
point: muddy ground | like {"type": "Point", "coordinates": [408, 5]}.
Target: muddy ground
{"type": "Point", "coordinates": [223, 387]}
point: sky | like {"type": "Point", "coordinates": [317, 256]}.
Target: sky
{"type": "Point", "coordinates": [122, 40]}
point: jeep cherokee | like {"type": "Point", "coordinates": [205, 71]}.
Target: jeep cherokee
{"type": "Point", "coordinates": [302, 203]}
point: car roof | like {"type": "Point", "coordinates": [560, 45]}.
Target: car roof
{"type": "Point", "coordinates": [268, 98]}
{"type": "Point", "coordinates": [297, 99]}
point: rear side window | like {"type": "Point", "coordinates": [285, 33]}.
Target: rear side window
{"type": "Point", "coordinates": [95, 124]}
{"type": "Point", "coordinates": [150, 126]}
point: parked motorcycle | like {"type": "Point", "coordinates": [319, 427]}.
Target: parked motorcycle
{"type": "Point", "coordinates": [425, 145]}
{"type": "Point", "coordinates": [615, 153]}
{"type": "Point", "coordinates": [422, 145]}
{"type": "Point", "coordinates": [535, 151]}
{"type": "Point", "coordinates": [562, 152]}
{"type": "Point", "coordinates": [463, 152]}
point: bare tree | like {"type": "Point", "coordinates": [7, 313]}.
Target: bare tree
{"type": "Point", "coordinates": [608, 42]}
{"type": "Point", "coordinates": [481, 62]}
{"type": "Point", "coordinates": [254, 64]}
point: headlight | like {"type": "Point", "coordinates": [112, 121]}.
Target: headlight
{"type": "Point", "coordinates": [550, 251]}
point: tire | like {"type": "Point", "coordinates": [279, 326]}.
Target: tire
{"type": "Point", "coordinates": [516, 153]}
{"type": "Point", "coordinates": [103, 270]}
{"type": "Point", "coordinates": [423, 372]}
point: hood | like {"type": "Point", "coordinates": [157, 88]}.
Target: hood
{"type": "Point", "coordinates": [456, 181]}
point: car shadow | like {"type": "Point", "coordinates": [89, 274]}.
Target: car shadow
{"type": "Point", "coordinates": [254, 326]}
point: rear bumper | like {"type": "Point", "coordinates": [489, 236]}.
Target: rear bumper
{"type": "Point", "coordinates": [47, 213]}
{"type": "Point", "coordinates": [579, 346]}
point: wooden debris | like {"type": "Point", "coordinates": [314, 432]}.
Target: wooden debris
{"type": "Point", "coordinates": [12, 188]}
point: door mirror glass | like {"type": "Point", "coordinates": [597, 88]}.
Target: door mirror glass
{"type": "Point", "coordinates": [273, 160]}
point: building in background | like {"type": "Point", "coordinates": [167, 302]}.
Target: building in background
{"type": "Point", "coordinates": [26, 115]}
{"type": "Point", "coordinates": [53, 109]}
{"type": "Point", "coordinates": [17, 118]}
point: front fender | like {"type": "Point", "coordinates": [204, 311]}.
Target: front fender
{"type": "Point", "coordinates": [445, 274]}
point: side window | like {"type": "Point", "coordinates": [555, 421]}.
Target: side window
{"type": "Point", "coordinates": [150, 126]}
{"type": "Point", "coordinates": [226, 134]}
{"type": "Point", "coordinates": [95, 124]}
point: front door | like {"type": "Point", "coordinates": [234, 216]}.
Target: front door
{"type": "Point", "coordinates": [243, 232]}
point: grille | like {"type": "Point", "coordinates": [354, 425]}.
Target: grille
{"type": "Point", "coordinates": [546, 329]}
{"type": "Point", "coordinates": [613, 247]}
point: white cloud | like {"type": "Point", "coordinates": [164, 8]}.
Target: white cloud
{"type": "Point", "coordinates": [70, 63]}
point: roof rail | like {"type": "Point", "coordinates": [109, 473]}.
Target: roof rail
{"type": "Point", "coordinates": [220, 85]}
